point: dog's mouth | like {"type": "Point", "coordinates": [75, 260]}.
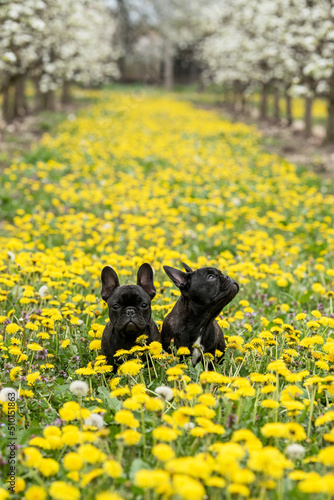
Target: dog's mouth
{"type": "Point", "coordinates": [228, 291]}
{"type": "Point", "coordinates": [133, 325]}
{"type": "Point", "coordinates": [228, 287]}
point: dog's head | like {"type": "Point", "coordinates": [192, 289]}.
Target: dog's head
{"type": "Point", "coordinates": [207, 288]}
{"type": "Point", "coordinates": [129, 305]}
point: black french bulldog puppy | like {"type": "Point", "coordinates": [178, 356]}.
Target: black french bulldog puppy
{"type": "Point", "coordinates": [204, 293]}
{"type": "Point", "coordinates": [129, 311]}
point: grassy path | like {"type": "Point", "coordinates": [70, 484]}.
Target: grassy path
{"type": "Point", "coordinates": [148, 178]}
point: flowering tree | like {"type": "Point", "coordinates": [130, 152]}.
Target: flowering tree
{"type": "Point", "coordinates": [178, 25]}
{"type": "Point", "coordinates": [311, 40]}
{"type": "Point", "coordinates": [54, 42]}
{"type": "Point", "coordinates": [287, 44]}
{"type": "Point", "coordinates": [21, 25]}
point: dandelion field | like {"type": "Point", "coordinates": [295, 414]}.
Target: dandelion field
{"type": "Point", "coordinates": [148, 178]}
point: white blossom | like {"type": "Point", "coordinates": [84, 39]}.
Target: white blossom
{"type": "Point", "coordinates": [58, 41]}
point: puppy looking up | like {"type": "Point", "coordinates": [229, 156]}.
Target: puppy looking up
{"type": "Point", "coordinates": [129, 311]}
{"type": "Point", "coordinates": [204, 293]}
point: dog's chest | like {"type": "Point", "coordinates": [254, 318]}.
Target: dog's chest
{"type": "Point", "coordinates": [196, 354]}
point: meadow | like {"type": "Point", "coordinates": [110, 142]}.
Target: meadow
{"type": "Point", "coordinates": [146, 177]}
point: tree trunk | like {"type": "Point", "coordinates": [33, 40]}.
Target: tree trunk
{"type": "Point", "coordinates": [235, 97]}
{"type": "Point", "coordinates": [243, 103]}
{"type": "Point", "coordinates": [43, 102]}
{"type": "Point", "coordinates": [288, 102]}
{"type": "Point", "coordinates": [19, 105]}
{"type": "Point", "coordinates": [277, 111]}
{"type": "Point", "coordinates": [226, 94]}
{"type": "Point", "coordinates": [65, 94]}
{"type": "Point", "coordinates": [308, 116]}
{"type": "Point", "coordinates": [168, 66]}
{"type": "Point", "coordinates": [264, 101]}
{"type": "Point", "coordinates": [330, 112]}
{"type": "Point", "coordinates": [39, 97]}
{"type": "Point", "coordinates": [5, 103]}
{"type": "Point", "coordinates": [50, 100]}
{"type": "Point", "coordinates": [193, 73]}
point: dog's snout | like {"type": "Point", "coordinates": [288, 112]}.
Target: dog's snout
{"type": "Point", "coordinates": [130, 312]}
{"type": "Point", "coordinates": [237, 285]}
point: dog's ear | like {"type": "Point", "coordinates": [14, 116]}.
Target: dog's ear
{"type": "Point", "coordinates": [179, 278]}
{"type": "Point", "coordinates": [110, 281]}
{"type": "Point", "coordinates": [145, 279]}
{"type": "Point", "coordinates": [187, 268]}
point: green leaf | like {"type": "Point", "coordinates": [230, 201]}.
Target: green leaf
{"type": "Point", "coordinates": [112, 403]}
{"type": "Point", "coordinates": [305, 298]}
{"type": "Point", "coordinates": [137, 464]}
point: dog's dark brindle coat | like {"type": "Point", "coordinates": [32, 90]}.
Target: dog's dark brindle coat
{"type": "Point", "coordinates": [129, 311]}
{"type": "Point", "coordinates": [204, 293]}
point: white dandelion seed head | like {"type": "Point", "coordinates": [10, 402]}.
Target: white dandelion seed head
{"type": "Point", "coordinates": [188, 426]}
{"type": "Point", "coordinates": [8, 394]}
{"type": "Point", "coordinates": [11, 255]}
{"type": "Point", "coordinates": [95, 420]}
{"type": "Point", "coordinates": [164, 392]}
{"type": "Point", "coordinates": [79, 388]}
{"type": "Point", "coordinates": [295, 451]}
{"type": "Point", "coordinates": [43, 291]}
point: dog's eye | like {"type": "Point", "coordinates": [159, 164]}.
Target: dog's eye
{"type": "Point", "coordinates": [115, 306]}
{"type": "Point", "coordinates": [144, 304]}
{"type": "Point", "coordinates": [211, 277]}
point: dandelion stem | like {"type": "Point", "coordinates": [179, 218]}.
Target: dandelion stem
{"type": "Point", "coordinates": [80, 415]}
{"type": "Point", "coordinates": [143, 433]}
{"type": "Point", "coordinates": [149, 371]}
{"type": "Point", "coordinates": [255, 405]}
{"type": "Point", "coordinates": [311, 412]}
{"type": "Point", "coordinates": [155, 372]}
{"type": "Point", "coordinates": [277, 395]}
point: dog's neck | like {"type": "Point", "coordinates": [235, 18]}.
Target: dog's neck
{"type": "Point", "coordinates": [199, 318]}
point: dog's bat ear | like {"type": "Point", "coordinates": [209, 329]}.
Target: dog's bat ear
{"type": "Point", "coordinates": [179, 278]}
{"type": "Point", "coordinates": [110, 281]}
{"type": "Point", "coordinates": [145, 279]}
{"type": "Point", "coordinates": [187, 268]}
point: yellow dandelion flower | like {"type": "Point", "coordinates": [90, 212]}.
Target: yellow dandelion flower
{"type": "Point", "coordinates": [107, 495]}
{"type": "Point", "coordinates": [130, 437]}
{"type": "Point", "coordinates": [35, 493]}
{"type": "Point", "coordinates": [269, 403]}
{"type": "Point", "coordinates": [188, 488]}
{"type": "Point", "coordinates": [72, 461]}
{"type": "Point", "coordinates": [48, 467]}
{"type": "Point", "coordinates": [126, 417]}
{"type": "Point", "coordinates": [326, 456]}
{"type": "Point", "coordinates": [163, 433]}
{"type": "Point", "coordinates": [132, 368]}
{"type": "Point", "coordinates": [163, 452]}
{"type": "Point", "coordinates": [60, 490]}
{"type": "Point", "coordinates": [238, 489]}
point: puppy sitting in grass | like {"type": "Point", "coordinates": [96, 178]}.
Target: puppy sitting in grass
{"type": "Point", "coordinates": [129, 311]}
{"type": "Point", "coordinates": [204, 293]}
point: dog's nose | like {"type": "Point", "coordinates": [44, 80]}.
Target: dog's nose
{"type": "Point", "coordinates": [236, 284]}
{"type": "Point", "coordinates": [130, 312]}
